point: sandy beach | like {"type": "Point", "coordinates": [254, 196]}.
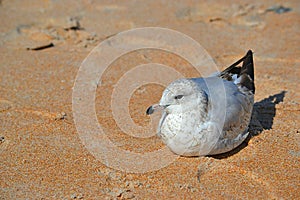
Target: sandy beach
{"type": "Point", "coordinates": [44, 43]}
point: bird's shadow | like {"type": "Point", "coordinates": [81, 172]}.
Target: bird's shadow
{"type": "Point", "coordinates": [263, 114]}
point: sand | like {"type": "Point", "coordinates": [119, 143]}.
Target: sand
{"type": "Point", "coordinates": [42, 155]}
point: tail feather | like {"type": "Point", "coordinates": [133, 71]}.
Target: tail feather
{"type": "Point", "coordinates": [245, 74]}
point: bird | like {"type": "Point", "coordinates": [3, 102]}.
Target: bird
{"type": "Point", "coordinates": [208, 115]}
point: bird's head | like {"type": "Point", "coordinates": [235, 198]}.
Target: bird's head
{"type": "Point", "coordinates": [180, 96]}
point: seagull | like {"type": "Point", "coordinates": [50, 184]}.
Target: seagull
{"type": "Point", "coordinates": [208, 116]}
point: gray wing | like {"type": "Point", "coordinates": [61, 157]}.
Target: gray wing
{"type": "Point", "coordinates": [233, 90]}
{"type": "Point", "coordinates": [227, 103]}
{"type": "Point", "coordinates": [231, 97]}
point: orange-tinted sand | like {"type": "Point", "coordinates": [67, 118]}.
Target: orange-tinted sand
{"type": "Point", "coordinates": [42, 156]}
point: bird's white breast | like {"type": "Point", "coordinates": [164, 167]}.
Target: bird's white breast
{"type": "Point", "coordinates": [188, 133]}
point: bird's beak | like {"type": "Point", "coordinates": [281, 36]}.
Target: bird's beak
{"type": "Point", "coordinates": [153, 108]}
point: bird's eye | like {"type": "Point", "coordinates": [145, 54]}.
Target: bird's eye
{"type": "Point", "coordinates": [178, 97]}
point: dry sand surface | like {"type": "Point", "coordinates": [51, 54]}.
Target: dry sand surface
{"type": "Point", "coordinates": [42, 156]}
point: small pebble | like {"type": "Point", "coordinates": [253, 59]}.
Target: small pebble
{"type": "Point", "coordinates": [60, 116]}
{"type": "Point", "coordinates": [279, 9]}
{"type": "Point", "coordinates": [2, 139]}
{"type": "Point", "coordinates": [73, 196]}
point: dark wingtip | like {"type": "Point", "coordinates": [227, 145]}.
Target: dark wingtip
{"type": "Point", "coordinates": [248, 65]}
{"type": "Point", "coordinates": [250, 52]}
{"type": "Point", "coordinates": [247, 71]}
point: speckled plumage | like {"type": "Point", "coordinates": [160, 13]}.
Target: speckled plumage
{"type": "Point", "coordinates": [206, 116]}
